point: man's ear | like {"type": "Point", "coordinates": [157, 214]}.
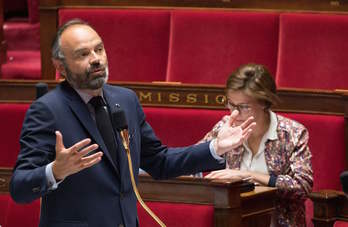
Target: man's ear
{"type": "Point", "coordinates": [58, 64]}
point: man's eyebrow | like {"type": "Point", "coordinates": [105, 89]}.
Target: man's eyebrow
{"type": "Point", "coordinates": [79, 50]}
{"type": "Point", "coordinates": [100, 44]}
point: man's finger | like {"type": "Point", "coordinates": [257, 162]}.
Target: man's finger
{"type": "Point", "coordinates": [79, 145]}
{"type": "Point", "coordinates": [87, 150]}
{"type": "Point", "coordinates": [249, 127]}
{"type": "Point", "coordinates": [246, 123]}
{"type": "Point", "coordinates": [91, 160]}
{"type": "Point", "coordinates": [59, 141]}
{"type": "Point", "coordinates": [246, 134]}
{"type": "Point", "coordinates": [233, 117]}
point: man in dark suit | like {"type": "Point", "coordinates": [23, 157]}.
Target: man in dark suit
{"type": "Point", "coordinates": [65, 159]}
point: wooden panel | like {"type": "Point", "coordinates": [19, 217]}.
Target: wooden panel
{"type": "Point", "coordinates": [302, 5]}
{"type": "Point", "coordinates": [195, 96]}
{"type": "Point", "coordinates": [5, 176]}
{"type": "Point", "coordinates": [48, 30]}
{"type": "Point", "coordinates": [329, 206]}
{"type": "Point", "coordinates": [233, 201]}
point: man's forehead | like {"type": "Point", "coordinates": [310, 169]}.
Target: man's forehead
{"type": "Point", "coordinates": [79, 34]}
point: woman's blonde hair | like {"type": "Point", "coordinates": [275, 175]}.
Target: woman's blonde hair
{"type": "Point", "coordinates": [256, 81]}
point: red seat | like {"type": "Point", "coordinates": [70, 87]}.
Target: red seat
{"type": "Point", "coordinates": [3, 208]}
{"type": "Point", "coordinates": [22, 61]}
{"type": "Point", "coordinates": [312, 51]}
{"type": "Point", "coordinates": [182, 127]}
{"type": "Point", "coordinates": [326, 141]}
{"type": "Point", "coordinates": [27, 215]}
{"type": "Point", "coordinates": [11, 119]}
{"type": "Point", "coordinates": [180, 215]}
{"type": "Point", "coordinates": [136, 41]}
{"type": "Point", "coordinates": [205, 46]}
{"type": "Point", "coordinates": [11, 214]}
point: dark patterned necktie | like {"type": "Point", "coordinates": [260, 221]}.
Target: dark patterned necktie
{"type": "Point", "coordinates": [104, 125]}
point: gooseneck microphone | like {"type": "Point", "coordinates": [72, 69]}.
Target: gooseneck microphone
{"type": "Point", "coordinates": [119, 121]}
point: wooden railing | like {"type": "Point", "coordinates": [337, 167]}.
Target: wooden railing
{"type": "Point", "coordinates": [235, 203]}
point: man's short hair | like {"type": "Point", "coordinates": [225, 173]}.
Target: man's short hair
{"type": "Point", "coordinates": [56, 48]}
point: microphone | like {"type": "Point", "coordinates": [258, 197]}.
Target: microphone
{"type": "Point", "coordinates": [119, 121]}
{"type": "Point", "coordinates": [119, 118]}
{"type": "Point", "coordinates": [41, 89]}
{"type": "Point", "coordinates": [344, 181]}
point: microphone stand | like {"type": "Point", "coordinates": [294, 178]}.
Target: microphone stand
{"type": "Point", "coordinates": [125, 141]}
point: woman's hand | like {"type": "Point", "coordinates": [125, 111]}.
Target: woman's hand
{"type": "Point", "coordinates": [229, 174]}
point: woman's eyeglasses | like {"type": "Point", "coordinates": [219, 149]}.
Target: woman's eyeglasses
{"type": "Point", "coordinates": [242, 108]}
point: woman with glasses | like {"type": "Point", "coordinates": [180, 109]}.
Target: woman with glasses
{"type": "Point", "coordinates": [276, 153]}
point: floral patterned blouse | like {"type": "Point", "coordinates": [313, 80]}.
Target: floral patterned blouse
{"type": "Point", "coordinates": [289, 158]}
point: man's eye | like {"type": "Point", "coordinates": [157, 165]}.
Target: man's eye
{"type": "Point", "coordinates": [99, 49]}
{"type": "Point", "coordinates": [84, 54]}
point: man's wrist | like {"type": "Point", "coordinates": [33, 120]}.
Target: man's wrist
{"type": "Point", "coordinates": [56, 176]}
{"type": "Point", "coordinates": [215, 146]}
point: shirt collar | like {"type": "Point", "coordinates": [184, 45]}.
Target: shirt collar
{"type": "Point", "coordinates": [85, 96]}
{"type": "Point", "coordinates": [271, 133]}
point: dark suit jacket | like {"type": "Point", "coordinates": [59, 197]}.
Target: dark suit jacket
{"type": "Point", "coordinates": [101, 195]}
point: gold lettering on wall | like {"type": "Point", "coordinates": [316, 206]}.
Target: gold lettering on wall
{"type": "Point", "coordinates": [191, 98]}
{"type": "Point", "coordinates": [219, 99]}
{"type": "Point", "coordinates": [206, 100]}
{"type": "Point", "coordinates": [159, 97]}
{"type": "Point", "coordinates": [147, 96]}
{"type": "Point", "coordinates": [184, 98]}
{"type": "Point", "coordinates": [174, 97]}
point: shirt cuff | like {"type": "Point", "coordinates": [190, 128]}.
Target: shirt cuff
{"type": "Point", "coordinates": [272, 180]}
{"type": "Point", "coordinates": [214, 154]}
{"type": "Point", "coordinates": [52, 183]}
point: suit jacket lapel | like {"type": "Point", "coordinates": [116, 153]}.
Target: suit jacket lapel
{"type": "Point", "coordinates": [112, 100]}
{"type": "Point", "coordinates": [82, 113]}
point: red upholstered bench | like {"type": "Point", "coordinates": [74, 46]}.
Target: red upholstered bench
{"type": "Point", "coordinates": [313, 51]}
{"type": "Point", "coordinates": [12, 214]}
{"type": "Point", "coordinates": [206, 45]}
{"type": "Point", "coordinates": [136, 41]}
{"type": "Point", "coordinates": [326, 141]}
{"type": "Point", "coordinates": [3, 208]}
{"type": "Point", "coordinates": [182, 127]}
{"type": "Point", "coordinates": [179, 127]}
{"type": "Point", "coordinates": [11, 118]}
{"type": "Point", "coordinates": [203, 46]}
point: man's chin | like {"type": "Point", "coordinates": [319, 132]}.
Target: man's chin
{"type": "Point", "coordinates": [97, 83]}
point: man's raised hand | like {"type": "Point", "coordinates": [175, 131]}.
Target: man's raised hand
{"type": "Point", "coordinates": [73, 159]}
{"type": "Point", "coordinates": [230, 136]}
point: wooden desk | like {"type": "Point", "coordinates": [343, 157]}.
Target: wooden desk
{"type": "Point", "coordinates": [235, 203]}
{"type": "Point", "coordinates": [329, 206]}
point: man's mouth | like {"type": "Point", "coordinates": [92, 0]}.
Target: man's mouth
{"type": "Point", "coordinates": [97, 71]}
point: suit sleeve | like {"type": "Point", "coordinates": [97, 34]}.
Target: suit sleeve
{"type": "Point", "coordinates": [37, 149]}
{"type": "Point", "coordinates": [162, 162]}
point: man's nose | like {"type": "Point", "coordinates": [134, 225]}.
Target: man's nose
{"type": "Point", "coordinates": [95, 58]}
